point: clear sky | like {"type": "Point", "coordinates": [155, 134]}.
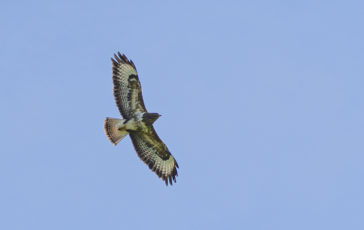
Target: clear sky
{"type": "Point", "coordinates": [262, 105]}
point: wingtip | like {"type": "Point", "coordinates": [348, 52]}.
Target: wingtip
{"type": "Point", "coordinates": [168, 180]}
{"type": "Point", "coordinates": [120, 58]}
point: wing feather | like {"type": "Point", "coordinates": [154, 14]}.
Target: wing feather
{"type": "Point", "coordinates": [155, 154]}
{"type": "Point", "coordinates": [127, 88]}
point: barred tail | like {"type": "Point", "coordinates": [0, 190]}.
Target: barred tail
{"type": "Point", "coordinates": [115, 129]}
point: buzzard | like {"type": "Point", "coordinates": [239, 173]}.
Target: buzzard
{"type": "Point", "coordinates": [137, 121]}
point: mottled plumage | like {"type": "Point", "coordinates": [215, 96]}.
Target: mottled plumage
{"type": "Point", "coordinates": [137, 122]}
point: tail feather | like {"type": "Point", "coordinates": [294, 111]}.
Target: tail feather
{"type": "Point", "coordinates": [115, 129]}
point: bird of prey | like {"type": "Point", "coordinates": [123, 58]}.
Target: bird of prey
{"type": "Point", "coordinates": [137, 121]}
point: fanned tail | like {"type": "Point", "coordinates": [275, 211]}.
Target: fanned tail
{"type": "Point", "coordinates": [115, 129]}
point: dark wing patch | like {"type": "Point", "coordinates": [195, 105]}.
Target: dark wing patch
{"type": "Point", "coordinates": [155, 154]}
{"type": "Point", "coordinates": [127, 88]}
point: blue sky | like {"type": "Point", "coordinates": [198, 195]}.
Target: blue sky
{"type": "Point", "coordinates": [261, 102]}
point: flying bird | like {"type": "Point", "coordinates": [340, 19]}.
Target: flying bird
{"type": "Point", "coordinates": [137, 121]}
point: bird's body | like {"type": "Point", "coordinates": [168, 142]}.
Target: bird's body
{"type": "Point", "coordinates": [137, 122]}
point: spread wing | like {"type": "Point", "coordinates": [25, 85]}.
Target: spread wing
{"type": "Point", "coordinates": [155, 154]}
{"type": "Point", "coordinates": [127, 88]}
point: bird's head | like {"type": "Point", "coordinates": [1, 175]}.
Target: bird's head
{"type": "Point", "coordinates": [150, 118]}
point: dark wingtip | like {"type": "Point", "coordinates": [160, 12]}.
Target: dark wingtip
{"type": "Point", "coordinates": [120, 58]}
{"type": "Point", "coordinates": [114, 62]}
{"type": "Point", "coordinates": [170, 180]}
{"type": "Point", "coordinates": [172, 177]}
